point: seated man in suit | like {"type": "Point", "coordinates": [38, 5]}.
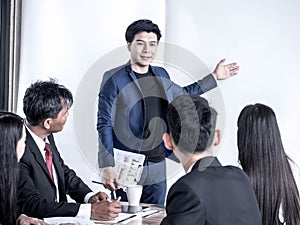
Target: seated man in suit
{"type": "Point", "coordinates": [209, 193]}
{"type": "Point", "coordinates": [45, 180]}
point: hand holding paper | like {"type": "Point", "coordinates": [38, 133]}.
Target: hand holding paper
{"type": "Point", "coordinates": [128, 167]}
{"type": "Point", "coordinates": [109, 179]}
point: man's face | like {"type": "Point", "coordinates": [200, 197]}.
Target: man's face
{"type": "Point", "coordinates": [143, 50]}
{"type": "Point", "coordinates": [57, 124]}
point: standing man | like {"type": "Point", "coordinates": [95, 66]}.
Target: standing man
{"type": "Point", "coordinates": [131, 110]}
{"type": "Point", "coordinates": [209, 193]}
{"type": "Point", "coordinates": [45, 180]}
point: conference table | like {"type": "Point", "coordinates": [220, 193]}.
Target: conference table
{"type": "Point", "coordinates": [155, 216]}
{"type": "Point", "coordinates": [149, 215]}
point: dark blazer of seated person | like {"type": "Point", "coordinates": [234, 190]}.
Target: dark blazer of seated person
{"type": "Point", "coordinates": [46, 106]}
{"type": "Point", "coordinates": [209, 193]}
{"type": "Point", "coordinates": [37, 194]}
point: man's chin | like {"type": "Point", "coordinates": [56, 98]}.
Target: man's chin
{"type": "Point", "coordinates": [142, 64]}
{"type": "Point", "coordinates": [57, 130]}
{"type": "Point", "coordinates": [145, 61]}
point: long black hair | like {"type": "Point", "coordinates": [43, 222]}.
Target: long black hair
{"type": "Point", "coordinates": [11, 128]}
{"type": "Point", "coordinates": [263, 158]}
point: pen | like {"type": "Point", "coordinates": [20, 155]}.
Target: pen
{"type": "Point", "coordinates": [126, 218]}
{"type": "Point", "coordinates": [113, 192]}
{"type": "Point", "coordinates": [96, 182]}
{"type": "Point", "coordinates": [146, 216]}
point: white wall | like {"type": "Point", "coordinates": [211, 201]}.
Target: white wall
{"type": "Point", "coordinates": [262, 36]}
{"type": "Point", "coordinates": [77, 40]}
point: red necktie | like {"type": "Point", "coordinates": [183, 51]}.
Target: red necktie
{"type": "Point", "coordinates": [48, 156]}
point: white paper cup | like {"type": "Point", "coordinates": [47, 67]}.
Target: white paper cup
{"type": "Point", "coordinates": [134, 193]}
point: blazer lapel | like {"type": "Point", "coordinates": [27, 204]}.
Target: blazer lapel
{"type": "Point", "coordinates": [56, 163]}
{"type": "Point", "coordinates": [60, 177]}
{"type": "Point", "coordinates": [58, 168]}
{"type": "Point", "coordinates": [134, 79]}
{"type": "Point", "coordinates": [32, 146]}
{"type": "Point", "coordinates": [166, 84]}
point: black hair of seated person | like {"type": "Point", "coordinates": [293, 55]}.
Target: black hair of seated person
{"type": "Point", "coordinates": [45, 99]}
{"type": "Point", "coordinates": [263, 158]}
{"type": "Point", "coordinates": [141, 26]}
{"type": "Point", "coordinates": [11, 128]}
{"type": "Point", "coordinates": [191, 123]}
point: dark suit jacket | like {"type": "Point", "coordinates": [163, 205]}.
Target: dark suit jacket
{"type": "Point", "coordinates": [122, 112]}
{"type": "Point", "coordinates": [37, 193]}
{"type": "Point", "coordinates": [214, 195]}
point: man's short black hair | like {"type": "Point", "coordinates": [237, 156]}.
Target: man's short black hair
{"type": "Point", "coordinates": [140, 26]}
{"type": "Point", "coordinates": [191, 123]}
{"type": "Point", "coordinates": [45, 99]}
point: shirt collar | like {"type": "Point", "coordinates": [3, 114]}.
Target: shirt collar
{"type": "Point", "coordinates": [191, 167]}
{"type": "Point", "coordinates": [39, 141]}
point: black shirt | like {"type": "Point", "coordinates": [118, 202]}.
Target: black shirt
{"type": "Point", "coordinates": [155, 103]}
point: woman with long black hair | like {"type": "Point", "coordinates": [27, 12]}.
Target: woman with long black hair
{"type": "Point", "coordinates": [12, 145]}
{"type": "Point", "coordinates": [263, 158]}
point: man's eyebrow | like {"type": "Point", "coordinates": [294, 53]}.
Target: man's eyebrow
{"type": "Point", "coordinates": [146, 41]}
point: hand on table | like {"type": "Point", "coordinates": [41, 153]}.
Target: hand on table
{"type": "Point", "coordinates": [98, 197]}
{"type": "Point", "coordinates": [26, 220]}
{"type": "Point", "coordinates": [106, 210]}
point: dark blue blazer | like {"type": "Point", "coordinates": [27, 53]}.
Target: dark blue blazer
{"type": "Point", "coordinates": [121, 109]}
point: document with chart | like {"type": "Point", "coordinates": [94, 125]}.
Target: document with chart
{"type": "Point", "coordinates": [128, 166]}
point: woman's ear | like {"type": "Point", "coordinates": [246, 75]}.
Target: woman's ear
{"type": "Point", "coordinates": [217, 138]}
{"type": "Point", "coordinates": [168, 141]}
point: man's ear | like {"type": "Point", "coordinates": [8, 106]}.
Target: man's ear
{"type": "Point", "coordinates": [47, 123]}
{"type": "Point", "coordinates": [168, 141]}
{"type": "Point", "coordinates": [129, 46]}
{"type": "Point", "coordinates": [217, 139]}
